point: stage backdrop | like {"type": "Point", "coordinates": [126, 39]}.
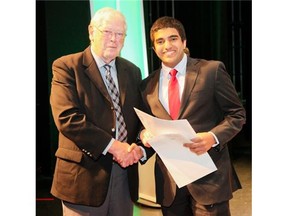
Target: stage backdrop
{"type": "Point", "coordinates": [135, 42]}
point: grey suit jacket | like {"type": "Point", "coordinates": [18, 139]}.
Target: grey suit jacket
{"type": "Point", "coordinates": [81, 108]}
{"type": "Point", "coordinates": [209, 103]}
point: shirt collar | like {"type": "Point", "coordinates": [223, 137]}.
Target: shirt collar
{"type": "Point", "coordinates": [100, 62]}
{"type": "Point", "coordinates": [180, 67]}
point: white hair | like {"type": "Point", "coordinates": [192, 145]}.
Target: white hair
{"type": "Point", "coordinates": [106, 13]}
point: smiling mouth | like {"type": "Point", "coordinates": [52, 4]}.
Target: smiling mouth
{"type": "Point", "coordinates": [169, 54]}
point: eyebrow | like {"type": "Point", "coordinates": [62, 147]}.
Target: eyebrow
{"type": "Point", "coordinates": [171, 36]}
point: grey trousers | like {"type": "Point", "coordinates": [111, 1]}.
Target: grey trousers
{"type": "Point", "coordinates": [117, 203]}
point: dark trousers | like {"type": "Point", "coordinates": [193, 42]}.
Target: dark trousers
{"type": "Point", "coordinates": [185, 205]}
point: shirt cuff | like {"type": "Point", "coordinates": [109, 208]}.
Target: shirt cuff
{"type": "Point", "coordinates": [217, 141]}
{"type": "Point", "coordinates": [144, 158]}
{"type": "Point", "coordinates": [108, 146]}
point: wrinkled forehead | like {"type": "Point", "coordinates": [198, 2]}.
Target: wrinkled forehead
{"type": "Point", "coordinates": [114, 24]}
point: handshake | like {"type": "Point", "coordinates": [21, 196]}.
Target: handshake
{"type": "Point", "coordinates": [125, 154]}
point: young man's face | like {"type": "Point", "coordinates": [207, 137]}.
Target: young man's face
{"type": "Point", "coordinates": [168, 46]}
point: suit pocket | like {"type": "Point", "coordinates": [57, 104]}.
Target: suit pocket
{"type": "Point", "coordinates": [68, 154]}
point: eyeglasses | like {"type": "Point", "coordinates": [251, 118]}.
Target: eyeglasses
{"type": "Point", "coordinates": [109, 34]}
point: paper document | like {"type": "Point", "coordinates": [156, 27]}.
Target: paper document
{"type": "Point", "coordinates": [168, 137]}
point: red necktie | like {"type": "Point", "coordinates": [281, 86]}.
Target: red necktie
{"type": "Point", "coordinates": [173, 93]}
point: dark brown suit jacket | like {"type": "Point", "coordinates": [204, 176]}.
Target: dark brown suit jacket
{"type": "Point", "coordinates": [81, 108]}
{"type": "Point", "coordinates": [209, 103]}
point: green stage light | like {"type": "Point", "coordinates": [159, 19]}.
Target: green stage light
{"type": "Point", "coordinates": [135, 43]}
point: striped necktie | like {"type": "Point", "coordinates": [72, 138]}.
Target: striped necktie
{"type": "Point", "coordinates": [114, 94]}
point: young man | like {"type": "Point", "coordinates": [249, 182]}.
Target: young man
{"type": "Point", "coordinates": [202, 93]}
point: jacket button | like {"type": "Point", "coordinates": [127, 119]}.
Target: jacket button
{"type": "Point", "coordinates": [113, 129]}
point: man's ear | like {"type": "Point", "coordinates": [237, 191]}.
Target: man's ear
{"type": "Point", "coordinates": [184, 42]}
{"type": "Point", "coordinates": [90, 31]}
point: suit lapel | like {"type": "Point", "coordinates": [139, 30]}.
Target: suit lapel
{"type": "Point", "coordinates": [152, 92]}
{"type": "Point", "coordinates": [192, 71]}
{"type": "Point", "coordinates": [122, 76]}
{"type": "Point", "coordinates": [93, 73]}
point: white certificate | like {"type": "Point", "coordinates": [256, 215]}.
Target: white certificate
{"type": "Point", "coordinates": [168, 137]}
